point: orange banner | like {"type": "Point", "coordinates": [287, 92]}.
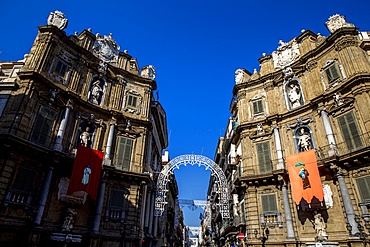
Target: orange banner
{"type": "Point", "coordinates": [304, 177]}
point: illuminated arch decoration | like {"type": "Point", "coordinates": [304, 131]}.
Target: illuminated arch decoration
{"type": "Point", "coordinates": [220, 182]}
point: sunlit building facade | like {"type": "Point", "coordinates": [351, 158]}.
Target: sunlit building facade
{"type": "Point", "coordinates": [74, 104]}
{"type": "Point", "coordinates": [296, 149]}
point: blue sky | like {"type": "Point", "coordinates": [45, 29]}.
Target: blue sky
{"type": "Point", "coordinates": [195, 46]}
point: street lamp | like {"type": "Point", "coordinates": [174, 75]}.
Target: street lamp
{"type": "Point", "coordinates": [264, 236]}
{"type": "Point", "coordinates": [361, 234]}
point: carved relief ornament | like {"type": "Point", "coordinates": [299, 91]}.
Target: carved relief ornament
{"type": "Point", "coordinates": [57, 19]}
{"type": "Point", "coordinates": [286, 54]}
{"type": "Point", "coordinates": [336, 22]}
{"type": "Point", "coordinates": [106, 48]}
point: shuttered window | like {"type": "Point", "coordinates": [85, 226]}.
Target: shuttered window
{"type": "Point", "coordinates": [132, 101]}
{"type": "Point", "coordinates": [332, 73]}
{"type": "Point", "coordinates": [123, 154]}
{"type": "Point", "coordinates": [264, 157]}
{"type": "Point", "coordinates": [349, 129]}
{"type": "Point", "coordinates": [42, 126]}
{"type": "Point", "coordinates": [242, 207]}
{"type": "Point", "coordinates": [269, 203]}
{"type": "Point", "coordinates": [257, 107]}
{"type": "Point", "coordinates": [3, 100]}
{"type": "Point", "coordinates": [363, 185]}
{"type": "Point", "coordinates": [61, 68]}
{"type": "Point", "coordinates": [117, 198]}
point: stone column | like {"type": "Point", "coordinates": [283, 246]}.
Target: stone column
{"type": "Point", "coordinates": [99, 208]}
{"type": "Point", "coordinates": [147, 209]}
{"type": "Point", "coordinates": [108, 149]}
{"type": "Point", "coordinates": [44, 196]}
{"type": "Point", "coordinates": [62, 127]}
{"type": "Point", "coordinates": [329, 132]}
{"type": "Point", "coordinates": [287, 213]}
{"type": "Point", "coordinates": [347, 203]}
{"type": "Point", "coordinates": [152, 202]}
{"type": "Point", "coordinates": [279, 151]}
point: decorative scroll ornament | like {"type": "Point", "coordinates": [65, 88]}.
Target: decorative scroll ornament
{"type": "Point", "coordinates": [106, 48]}
{"type": "Point", "coordinates": [164, 177]}
{"type": "Point", "coordinates": [148, 72]}
{"type": "Point", "coordinates": [57, 19]}
{"type": "Point", "coordinates": [286, 54]}
{"type": "Point", "coordinates": [337, 21]}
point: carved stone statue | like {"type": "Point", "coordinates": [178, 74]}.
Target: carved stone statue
{"type": "Point", "coordinates": [96, 92]}
{"type": "Point", "coordinates": [304, 141]}
{"type": "Point", "coordinates": [69, 220]}
{"type": "Point", "coordinates": [85, 137]}
{"type": "Point", "coordinates": [294, 95]}
{"type": "Point", "coordinates": [320, 227]}
{"type": "Point", "coordinates": [57, 19]}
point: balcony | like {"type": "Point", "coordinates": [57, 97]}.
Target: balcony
{"type": "Point", "coordinates": [353, 147]}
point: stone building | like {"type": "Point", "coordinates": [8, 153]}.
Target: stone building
{"type": "Point", "coordinates": [78, 92]}
{"type": "Point", "coordinates": [296, 149]}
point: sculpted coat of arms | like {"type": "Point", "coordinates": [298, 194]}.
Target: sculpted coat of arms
{"type": "Point", "coordinates": [57, 19]}
{"type": "Point", "coordinates": [106, 48]}
{"type": "Point", "coordinates": [286, 54]}
{"type": "Point", "coordinates": [337, 21]}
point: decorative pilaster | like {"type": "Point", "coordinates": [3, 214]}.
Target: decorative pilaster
{"type": "Point", "coordinates": [287, 213]}
{"type": "Point", "coordinates": [99, 207]}
{"type": "Point", "coordinates": [347, 203]}
{"type": "Point", "coordinates": [108, 149]}
{"type": "Point", "coordinates": [62, 127]}
{"type": "Point", "coordinates": [44, 196]}
{"type": "Point", "coordinates": [329, 132]}
{"type": "Point", "coordinates": [279, 152]}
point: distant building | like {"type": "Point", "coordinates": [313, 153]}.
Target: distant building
{"type": "Point", "coordinates": [296, 150]}
{"type": "Point", "coordinates": [81, 142]}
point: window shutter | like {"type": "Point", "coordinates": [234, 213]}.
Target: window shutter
{"type": "Point", "coordinates": [363, 185]}
{"type": "Point", "coordinates": [257, 107]}
{"type": "Point", "coordinates": [269, 203]}
{"type": "Point", "coordinates": [123, 155]}
{"type": "Point", "coordinates": [264, 157]}
{"type": "Point", "coordinates": [351, 136]}
{"type": "Point", "coordinates": [332, 73]}
{"type": "Point", "coordinates": [24, 180]}
{"type": "Point", "coordinates": [42, 126]}
{"type": "Point", "coordinates": [117, 198]}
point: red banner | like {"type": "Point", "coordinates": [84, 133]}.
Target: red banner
{"type": "Point", "coordinates": [86, 171]}
{"type": "Point", "coordinates": [304, 177]}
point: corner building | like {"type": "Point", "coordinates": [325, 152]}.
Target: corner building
{"type": "Point", "coordinates": [309, 102]}
{"type": "Point", "coordinates": [70, 93]}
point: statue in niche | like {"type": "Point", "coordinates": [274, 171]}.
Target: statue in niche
{"type": "Point", "coordinates": [294, 95]}
{"type": "Point", "coordinates": [85, 137]}
{"type": "Point", "coordinates": [338, 99]}
{"type": "Point", "coordinates": [320, 227]}
{"type": "Point", "coordinates": [69, 220]}
{"type": "Point", "coordinates": [96, 92]}
{"type": "Point", "coordinates": [304, 141]}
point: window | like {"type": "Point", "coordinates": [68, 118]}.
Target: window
{"type": "Point", "coordinates": [269, 203]}
{"type": "Point", "coordinates": [42, 126]}
{"type": "Point", "coordinates": [350, 132]}
{"type": "Point", "coordinates": [242, 207]}
{"type": "Point", "coordinates": [332, 72]}
{"type": "Point", "coordinates": [257, 107]}
{"type": "Point", "coordinates": [363, 185]}
{"type": "Point", "coordinates": [116, 205]}
{"type": "Point", "coordinates": [131, 101]}
{"type": "Point", "coordinates": [123, 154]}
{"type": "Point", "coordinates": [21, 190]}
{"type": "Point", "coordinates": [3, 100]}
{"type": "Point", "coordinates": [264, 157]}
{"type": "Point", "coordinates": [60, 70]}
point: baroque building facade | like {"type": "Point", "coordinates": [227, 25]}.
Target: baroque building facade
{"type": "Point", "coordinates": [69, 94]}
{"type": "Point", "coordinates": [296, 149]}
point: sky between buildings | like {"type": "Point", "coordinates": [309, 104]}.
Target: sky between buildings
{"type": "Point", "coordinates": [195, 46]}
